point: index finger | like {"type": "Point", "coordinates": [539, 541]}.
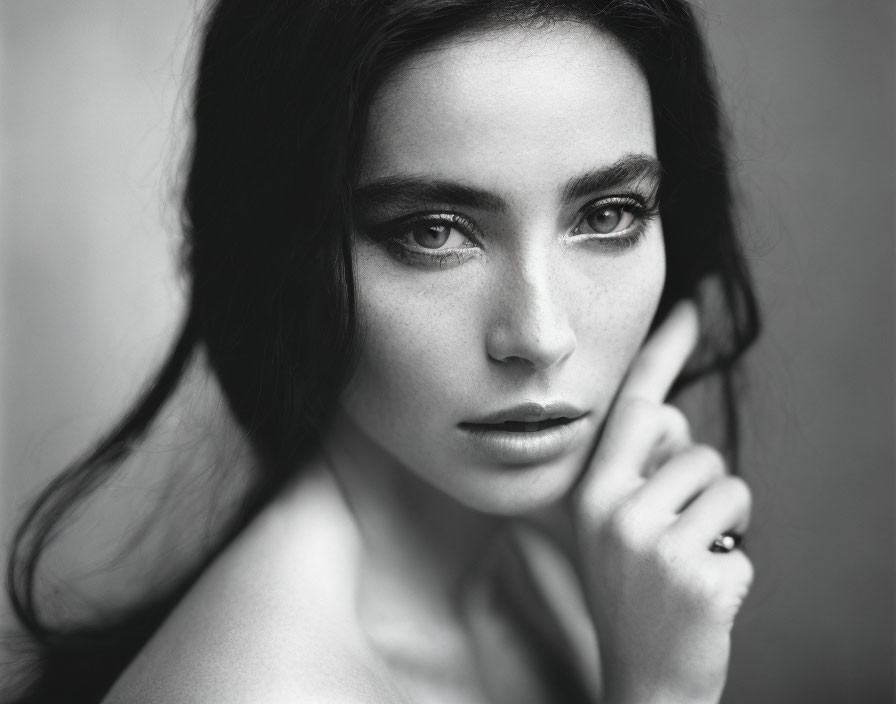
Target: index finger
{"type": "Point", "coordinates": [662, 357]}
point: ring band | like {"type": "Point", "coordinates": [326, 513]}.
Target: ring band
{"type": "Point", "coordinates": [726, 542]}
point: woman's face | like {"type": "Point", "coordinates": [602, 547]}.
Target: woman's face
{"type": "Point", "coordinates": [507, 257]}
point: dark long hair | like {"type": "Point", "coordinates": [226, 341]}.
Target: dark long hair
{"type": "Point", "coordinates": [279, 108]}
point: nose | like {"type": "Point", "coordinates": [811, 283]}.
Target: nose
{"type": "Point", "coordinates": [530, 325]}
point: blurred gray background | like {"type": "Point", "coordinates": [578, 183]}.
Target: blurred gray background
{"type": "Point", "coordinates": [91, 127]}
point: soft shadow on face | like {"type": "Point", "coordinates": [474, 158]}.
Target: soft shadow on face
{"type": "Point", "coordinates": [507, 252]}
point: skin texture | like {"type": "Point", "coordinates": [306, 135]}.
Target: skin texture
{"type": "Point", "coordinates": [532, 310]}
{"type": "Point", "coordinates": [535, 314]}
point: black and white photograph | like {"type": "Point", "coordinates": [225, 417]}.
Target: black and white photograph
{"type": "Point", "coordinates": [447, 352]}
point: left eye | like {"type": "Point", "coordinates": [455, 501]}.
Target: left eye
{"type": "Point", "coordinates": [607, 219]}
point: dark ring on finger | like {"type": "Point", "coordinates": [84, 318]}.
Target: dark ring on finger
{"type": "Point", "coordinates": [726, 542]}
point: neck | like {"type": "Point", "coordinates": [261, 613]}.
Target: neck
{"type": "Point", "coordinates": [420, 544]}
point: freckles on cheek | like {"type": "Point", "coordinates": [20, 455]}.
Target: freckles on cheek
{"type": "Point", "coordinates": [620, 302]}
{"type": "Point", "coordinates": [629, 312]}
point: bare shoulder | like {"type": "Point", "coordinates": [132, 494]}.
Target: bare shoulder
{"type": "Point", "coordinates": [272, 620]}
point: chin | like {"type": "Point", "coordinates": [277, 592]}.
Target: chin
{"type": "Point", "coordinates": [514, 491]}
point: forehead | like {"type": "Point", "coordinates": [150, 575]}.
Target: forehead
{"type": "Point", "coordinates": [538, 103]}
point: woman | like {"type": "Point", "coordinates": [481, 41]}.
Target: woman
{"type": "Point", "coordinates": [441, 256]}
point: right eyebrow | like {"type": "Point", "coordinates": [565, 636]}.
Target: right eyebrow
{"type": "Point", "coordinates": [409, 191]}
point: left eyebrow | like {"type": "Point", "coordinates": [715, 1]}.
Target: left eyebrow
{"type": "Point", "coordinates": [410, 191]}
{"type": "Point", "coordinates": [632, 168]}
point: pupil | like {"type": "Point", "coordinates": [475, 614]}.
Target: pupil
{"type": "Point", "coordinates": [605, 220]}
{"type": "Point", "coordinates": [431, 236]}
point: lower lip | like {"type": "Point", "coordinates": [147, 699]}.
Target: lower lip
{"type": "Point", "coordinates": [523, 448]}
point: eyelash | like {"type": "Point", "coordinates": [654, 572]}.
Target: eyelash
{"type": "Point", "coordinates": [392, 235]}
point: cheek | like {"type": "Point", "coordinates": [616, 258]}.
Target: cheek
{"type": "Point", "coordinates": [616, 304]}
{"type": "Point", "coordinates": [416, 351]}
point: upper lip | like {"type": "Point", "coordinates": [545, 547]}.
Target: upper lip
{"type": "Point", "coordinates": [529, 413]}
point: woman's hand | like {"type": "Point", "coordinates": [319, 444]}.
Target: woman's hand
{"type": "Point", "coordinates": [646, 511]}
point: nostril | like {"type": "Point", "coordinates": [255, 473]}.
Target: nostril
{"type": "Point", "coordinates": [521, 361]}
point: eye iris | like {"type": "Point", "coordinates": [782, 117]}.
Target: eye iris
{"type": "Point", "coordinates": [605, 220]}
{"type": "Point", "coordinates": [431, 235]}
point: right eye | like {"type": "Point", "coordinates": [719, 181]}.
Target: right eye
{"type": "Point", "coordinates": [436, 234]}
{"type": "Point", "coordinates": [441, 240]}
